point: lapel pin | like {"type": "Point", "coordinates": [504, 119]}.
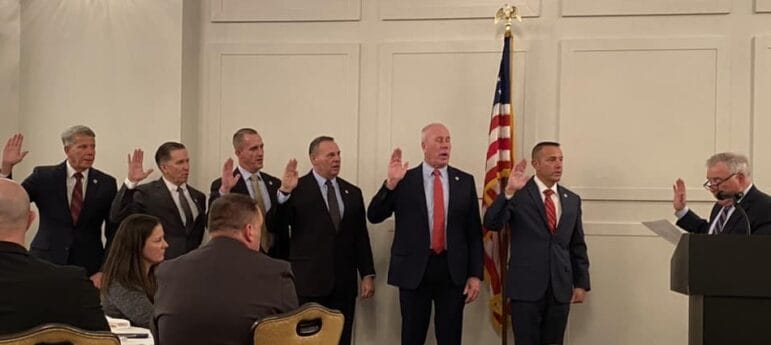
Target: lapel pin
{"type": "Point", "coordinates": [270, 183]}
{"type": "Point", "coordinates": [565, 195]}
{"type": "Point", "coordinates": [94, 180]}
{"type": "Point", "coordinates": [346, 191]}
{"type": "Point", "coordinates": [457, 178]}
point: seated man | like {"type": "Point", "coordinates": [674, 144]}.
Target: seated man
{"type": "Point", "coordinates": [214, 293]}
{"type": "Point", "coordinates": [33, 291]}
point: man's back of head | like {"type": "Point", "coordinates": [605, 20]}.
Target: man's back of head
{"type": "Point", "coordinates": [32, 291]}
{"type": "Point", "coordinates": [216, 292]}
{"type": "Point", "coordinates": [15, 213]}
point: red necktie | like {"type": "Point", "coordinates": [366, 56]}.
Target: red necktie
{"type": "Point", "coordinates": [76, 204]}
{"type": "Point", "coordinates": [437, 240]}
{"type": "Point", "coordinates": [551, 211]}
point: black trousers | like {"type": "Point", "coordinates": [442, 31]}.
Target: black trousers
{"type": "Point", "coordinates": [437, 287]}
{"type": "Point", "coordinates": [539, 322]}
{"type": "Point", "coordinates": [344, 302]}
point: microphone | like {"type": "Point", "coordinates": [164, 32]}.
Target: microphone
{"type": "Point", "coordinates": [733, 196]}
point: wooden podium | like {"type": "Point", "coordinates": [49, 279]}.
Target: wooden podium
{"type": "Point", "coordinates": [728, 281]}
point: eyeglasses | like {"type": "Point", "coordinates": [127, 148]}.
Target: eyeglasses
{"type": "Point", "coordinates": [715, 183]}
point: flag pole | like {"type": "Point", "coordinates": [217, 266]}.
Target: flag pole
{"type": "Point", "coordinates": [507, 13]}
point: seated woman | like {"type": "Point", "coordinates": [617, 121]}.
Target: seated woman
{"type": "Point", "coordinates": [128, 283]}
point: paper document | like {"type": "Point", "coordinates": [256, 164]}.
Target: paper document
{"type": "Point", "coordinates": [665, 229]}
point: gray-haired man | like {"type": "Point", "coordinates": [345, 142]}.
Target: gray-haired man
{"type": "Point", "coordinates": [729, 179]}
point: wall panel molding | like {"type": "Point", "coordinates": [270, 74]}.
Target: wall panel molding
{"type": "Point", "coordinates": [611, 95]}
{"type": "Point", "coordinates": [643, 7]}
{"type": "Point", "coordinates": [279, 89]}
{"type": "Point", "coordinates": [284, 10]}
{"type": "Point", "coordinates": [762, 6]}
{"type": "Point", "coordinates": [761, 112]}
{"type": "Point", "coordinates": [452, 9]}
{"type": "Point", "coordinates": [415, 90]}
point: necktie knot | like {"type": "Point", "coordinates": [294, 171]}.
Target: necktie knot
{"type": "Point", "coordinates": [328, 183]}
{"type": "Point", "coordinates": [548, 193]}
{"type": "Point", "coordinates": [78, 176]}
{"type": "Point", "coordinates": [255, 177]}
{"type": "Point", "coordinates": [436, 173]}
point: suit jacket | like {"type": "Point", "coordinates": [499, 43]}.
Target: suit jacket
{"type": "Point", "coordinates": [412, 243]}
{"type": "Point", "coordinates": [212, 295]}
{"type": "Point", "coordinates": [34, 292]}
{"type": "Point", "coordinates": [58, 240]}
{"type": "Point", "coordinates": [539, 258]}
{"type": "Point", "coordinates": [155, 199]}
{"type": "Point", "coordinates": [756, 204]}
{"type": "Point", "coordinates": [280, 248]}
{"type": "Point", "coordinates": [324, 260]}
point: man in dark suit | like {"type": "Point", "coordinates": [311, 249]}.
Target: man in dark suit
{"type": "Point", "coordinates": [249, 179]}
{"type": "Point", "coordinates": [436, 255]}
{"type": "Point", "coordinates": [33, 291]}
{"type": "Point", "coordinates": [329, 241]}
{"type": "Point", "coordinates": [214, 294]}
{"type": "Point", "coordinates": [730, 181]}
{"type": "Point", "coordinates": [549, 266]}
{"type": "Point", "coordinates": [180, 207]}
{"type": "Point", "coordinates": [73, 200]}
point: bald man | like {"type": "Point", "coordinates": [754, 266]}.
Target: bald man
{"type": "Point", "coordinates": [33, 291]}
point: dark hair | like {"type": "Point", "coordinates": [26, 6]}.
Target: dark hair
{"type": "Point", "coordinates": [316, 142]}
{"type": "Point", "coordinates": [124, 260]}
{"type": "Point", "coordinates": [232, 212]}
{"type": "Point", "coordinates": [163, 153]}
{"type": "Point", "coordinates": [238, 137]}
{"type": "Point", "coordinates": [538, 147]}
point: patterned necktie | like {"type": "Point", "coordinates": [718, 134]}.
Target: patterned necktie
{"type": "Point", "coordinates": [185, 209]}
{"type": "Point", "coordinates": [721, 219]}
{"type": "Point", "coordinates": [437, 238]}
{"type": "Point", "coordinates": [332, 205]}
{"type": "Point", "coordinates": [551, 211]}
{"type": "Point", "coordinates": [266, 238]}
{"type": "Point", "coordinates": [76, 203]}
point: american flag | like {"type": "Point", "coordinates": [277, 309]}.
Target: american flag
{"type": "Point", "coordinates": [500, 152]}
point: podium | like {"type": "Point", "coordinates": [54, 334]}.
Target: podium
{"type": "Point", "coordinates": [728, 281]}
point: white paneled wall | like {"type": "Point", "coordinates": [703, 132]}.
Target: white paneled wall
{"type": "Point", "coordinates": [638, 92]}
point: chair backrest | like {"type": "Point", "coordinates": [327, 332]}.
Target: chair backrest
{"type": "Point", "coordinates": [56, 333]}
{"type": "Point", "coordinates": [311, 324]}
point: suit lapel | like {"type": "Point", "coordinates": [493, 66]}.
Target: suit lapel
{"type": "Point", "coordinates": [567, 205]}
{"type": "Point", "coordinates": [92, 190]}
{"type": "Point", "coordinates": [165, 194]}
{"type": "Point", "coordinates": [535, 194]}
{"type": "Point", "coordinates": [416, 175]}
{"type": "Point", "coordinates": [60, 174]}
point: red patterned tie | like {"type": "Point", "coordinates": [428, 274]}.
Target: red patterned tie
{"type": "Point", "coordinates": [551, 211]}
{"type": "Point", "coordinates": [76, 204]}
{"type": "Point", "coordinates": [437, 240]}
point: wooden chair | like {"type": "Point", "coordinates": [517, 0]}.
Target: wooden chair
{"type": "Point", "coordinates": [55, 333]}
{"type": "Point", "coordinates": [311, 324]}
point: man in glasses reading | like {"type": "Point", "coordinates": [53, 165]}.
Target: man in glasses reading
{"type": "Point", "coordinates": [728, 179]}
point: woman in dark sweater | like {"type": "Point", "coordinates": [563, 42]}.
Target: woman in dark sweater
{"type": "Point", "coordinates": [128, 284]}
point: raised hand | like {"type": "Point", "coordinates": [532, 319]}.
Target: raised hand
{"type": "Point", "coordinates": [136, 171]}
{"type": "Point", "coordinates": [12, 153]}
{"type": "Point", "coordinates": [396, 169]}
{"type": "Point", "coordinates": [289, 180]}
{"type": "Point", "coordinates": [678, 200]}
{"type": "Point", "coordinates": [228, 179]}
{"type": "Point", "coordinates": [517, 178]}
